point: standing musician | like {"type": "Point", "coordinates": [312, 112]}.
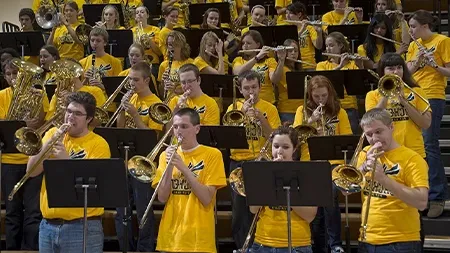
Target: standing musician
{"type": "Point", "coordinates": [324, 112]}
{"type": "Point", "coordinates": [110, 19]}
{"type": "Point", "coordinates": [336, 43]}
{"type": "Point", "coordinates": [342, 14]}
{"type": "Point", "coordinates": [193, 96]}
{"type": "Point", "coordinates": [63, 37]}
{"type": "Point", "coordinates": [188, 189]}
{"type": "Point", "coordinates": [399, 191]}
{"type": "Point", "coordinates": [268, 69]}
{"type": "Point", "coordinates": [22, 213]}
{"type": "Point", "coordinates": [170, 16]}
{"type": "Point", "coordinates": [62, 228]}
{"type": "Point", "coordinates": [271, 233]}
{"type": "Point", "coordinates": [261, 119]}
{"type": "Point", "coordinates": [27, 20]}
{"type": "Point", "coordinates": [310, 37]}
{"type": "Point", "coordinates": [430, 65]}
{"type": "Point", "coordinates": [375, 47]}
{"type": "Point", "coordinates": [138, 108]}
{"type": "Point", "coordinates": [47, 55]}
{"type": "Point", "coordinates": [210, 59]}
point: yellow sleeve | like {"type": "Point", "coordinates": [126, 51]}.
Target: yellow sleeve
{"type": "Point", "coordinates": [51, 108]}
{"type": "Point", "coordinates": [116, 66]}
{"type": "Point", "coordinates": [443, 51]}
{"type": "Point", "coordinates": [371, 100]}
{"type": "Point", "coordinates": [200, 63]}
{"type": "Point", "coordinates": [85, 64]}
{"type": "Point", "coordinates": [321, 65]}
{"type": "Point", "coordinates": [100, 150]}
{"type": "Point", "coordinates": [273, 117]}
{"type": "Point", "coordinates": [344, 123]}
{"type": "Point", "coordinates": [279, 3]}
{"type": "Point", "coordinates": [411, 54]}
{"type": "Point", "coordinates": [48, 135]}
{"type": "Point", "coordinates": [156, 37]}
{"type": "Point", "coordinates": [212, 114]}
{"type": "Point", "coordinates": [416, 172]}
{"type": "Point", "coordinates": [327, 18]}
{"type": "Point", "coordinates": [160, 170]}
{"type": "Point", "coordinates": [362, 50]}
{"type": "Point", "coordinates": [298, 116]}
{"type": "Point", "coordinates": [312, 33]}
{"type": "Point", "coordinates": [239, 4]}
{"type": "Point", "coordinates": [123, 73]}
{"type": "Point", "coordinates": [173, 102]}
{"type": "Point", "coordinates": [272, 64]}
{"type": "Point", "coordinates": [100, 97]}
{"type": "Point", "coordinates": [238, 61]}
{"type": "Point", "coordinates": [216, 170]}
{"type": "Point", "coordinates": [162, 68]}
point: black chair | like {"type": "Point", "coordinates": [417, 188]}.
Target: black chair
{"type": "Point", "coordinates": [8, 27]}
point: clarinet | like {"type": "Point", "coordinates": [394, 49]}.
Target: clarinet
{"type": "Point", "coordinates": [169, 68]}
{"type": "Point", "coordinates": [93, 64]}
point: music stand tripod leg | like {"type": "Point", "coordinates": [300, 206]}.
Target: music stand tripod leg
{"type": "Point", "coordinates": [288, 200]}
{"type": "Point", "coordinates": [126, 217]}
{"type": "Point", "coordinates": [85, 188]}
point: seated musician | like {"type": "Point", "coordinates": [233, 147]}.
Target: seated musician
{"type": "Point", "coordinates": [62, 228]}
{"type": "Point", "coordinates": [342, 14]}
{"type": "Point", "coordinates": [188, 189]}
{"type": "Point", "coordinates": [375, 47]}
{"type": "Point", "coordinates": [210, 59]}
{"type": "Point", "coordinates": [99, 64]}
{"type": "Point", "coordinates": [110, 19]}
{"type": "Point", "coordinates": [47, 55]}
{"type": "Point", "coordinates": [337, 44]}
{"type": "Point", "coordinates": [400, 189]}
{"type": "Point", "coordinates": [310, 36]}
{"type": "Point", "coordinates": [181, 6]}
{"type": "Point", "coordinates": [193, 96]}
{"type": "Point", "coordinates": [269, 70]}
{"type": "Point", "coordinates": [212, 20]}
{"type": "Point", "coordinates": [21, 232]}
{"type": "Point", "coordinates": [237, 13]}
{"type": "Point", "coordinates": [261, 118]}
{"type": "Point", "coordinates": [324, 112]}
{"type": "Point", "coordinates": [63, 37]}
{"type": "Point", "coordinates": [258, 17]}
{"type": "Point", "coordinates": [170, 16]}
{"type": "Point", "coordinates": [400, 25]}
{"type": "Point", "coordinates": [271, 233]}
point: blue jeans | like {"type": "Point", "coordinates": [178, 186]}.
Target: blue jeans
{"type": "Point", "coordinates": [68, 238]}
{"type": "Point", "coordinates": [398, 247]}
{"type": "Point", "coordinates": [23, 214]}
{"type": "Point", "coordinates": [329, 218]}
{"type": "Point", "coordinates": [259, 248]}
{"type": "Point", "coordinates": [139, 194]}
{"type": "Point", "coordinates": [287, 117]}
{"type": "Point", "coordinates": [241, 218]}
{"type": "Point", "coordinates": [353, 117]}
{"type": "Point", "coordinates": [436, 172]}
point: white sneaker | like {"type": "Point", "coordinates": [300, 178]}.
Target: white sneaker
{"type": "Point", "coordinates": [337, 249]}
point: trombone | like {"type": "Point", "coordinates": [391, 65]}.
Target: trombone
{"type": "Point", "coordinates": [305, 130]}
{"type": "Point", "coordinates": [234, 117]}
{"type": "Point", "coordinates": [129, 121]}
{"type": "Point", "coordinates": [101, 113]}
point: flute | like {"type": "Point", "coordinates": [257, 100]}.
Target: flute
{"type": "Point", "coordinates": [217, 57]}
{"type": "Point", "coordinates": [257, 23]}
{"type": "Point", "coordinates": [350, 8]}
{"type": "Point", "coordinates": [313, 23]}
{"type": "Point", "coordinates": [300, 61]}
{"type": "Point", "coordinates": [275, 49]}
{"type": "Point", "coordinates": [351, 56]}
{"type": "Point", "coordinates": [386, 39]}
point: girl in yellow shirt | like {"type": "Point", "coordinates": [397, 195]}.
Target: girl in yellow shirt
{"type": "Point", "coordinates": [47, 55]}
{"type": "Point", "coordinates": [64, 37]}
{"type": "Point", "coordinates": [375, 47]}
{"type": "Point", "coordinates": [210, 59]}
{"type": "Point", "coordinates": [170, 16]}
{"type": "Point", "coordinates": [110, 18]}
{"type": "Point", "coordinates": [266, 66]}
{"type": "Point", "coordinates": [258, 17]}
{"type": "Point", "coordinates": [342, 14]}
{"type": "Point", "coordinates": [271, 233]}
{"type": "Point", "coordinates": [336, 43]}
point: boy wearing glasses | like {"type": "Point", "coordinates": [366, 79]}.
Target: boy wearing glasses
{"type": "Point", "coordinates": [194, 97]}
{"type": "Point", "coordinates": [63, 227]}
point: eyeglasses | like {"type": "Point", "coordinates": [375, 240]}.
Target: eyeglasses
{"type": "Point", "coordinates": [75, 113]}
{"type": "Point", "coordinates": [188, 81]}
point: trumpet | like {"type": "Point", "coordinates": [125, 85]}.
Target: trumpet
{"type": "Point", "coordinates": [129, 121]}
{"type": "Point", "coordinates": [350, 56]}
{"type": "Point", "coordinates": [275, 49]}
{"type": "Point", "coordinates": [56, 137]}
{"type": "Point", "coordinates": [307, 22]}
{"type": "Point", "coordinates": [300, 61]}
{"type": "Point", "coordinates": [386, 39]}
{"type": "Point", "coordinates": [305, 130]}
{"type": "Point", "coordinates": [100, 112]}
{"type": "Point", "coordinates": [143, 38]}
{"type": "Point", "coordinates": [234, 117]}
{"type": "Point", "coordinates": [150, 204]}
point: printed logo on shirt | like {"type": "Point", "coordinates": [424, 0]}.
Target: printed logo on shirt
{"type": "Point", "coordinates": [142, 112]}
{"type": "Point", "coordinates": [180, 186]}
{"type": "Point", "coordinates": [330, 125]}
{"type": "Point", "coordinates": [378, 190]}
{"type": "Point", "coordinates": [66, 39]}
{"type": "Point", "coordinates": [173, 77]}
{"type": "Point", "coordinates": [398, 112]}
{"type": "Point", "coordinates": [302, 38]}
{"type": "Point", "coordinates": [77, 154]}
{"type": "Point", "coordinates": [103, 69]}
{"type": "Point", "coordinates": [278, 208]}
{"type": "Point", "coordinates": [410, 97]}
{"type": "Point", "coordinates": [261, 70]}
{"type": "Point", "coordinates": [51, 81]}
{"type": "Point", "coordinates": [253, 129]}
{"type": "Point", "coordinates": [201, 109]}
{"type": "Point", "coordinates": [350, 21]}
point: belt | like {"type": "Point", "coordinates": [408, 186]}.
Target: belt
{"type": "Point", "coordinates": [79, 220]}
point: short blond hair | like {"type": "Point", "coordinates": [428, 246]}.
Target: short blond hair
{"type": "Point", "coordinates": [376, 114]}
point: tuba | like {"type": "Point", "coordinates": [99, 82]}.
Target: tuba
{"type": "Point", "coordinates": [161, 112]}
{"type": "Point", "coordinates": [58, 135]}
{"type": "Point", "coordinates": [234, 117]}
{"type": "Point", "coordinates": [29, 141]}
{"type": "Point", "coordinates": [305, 130]}
{"type": "Point", "coordinates": [47, 15]}
{"type": "Point", "coordinates": [25, 103]}
{"type": "Point", "coordinates": [101, 113]}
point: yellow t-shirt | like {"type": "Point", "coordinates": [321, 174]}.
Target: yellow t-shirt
{"type": "Point", "coordinates": [163, 34]}
{"type": "Point", "coordinates": [271, 231]}
{"type": "Point", "coordinates": [334, 18]}
{"type": "Point", "coordinates": [379, 53]}
{"type": "Point", "coordinates": [90, 146]}
{"type": "Point", "coordinates": [339, 125]}
{"type": "Point", "coordinates": [37, 4]}
{"type": "Point", "coordinates": [206, 107]}
{"type": "Point", "coordinates": [181, 12]}
{"type": "Point", "coordinates": [66, 45]}
{"type": "Point", "coordinates": [307, 49]}
{"type": "Point", "coordinates": [100, 99]}
{"type": "Point", "coordinates": [286, 105]}
{"type": "Point", "coordinates": [348, 102]}
{"type": "Point", "coordinates": [32, 59]}
{"type": "Point", "coordinates": [107, 65]}
{"type": "Point", "coordinates": [186, 225]}
{"type": "Point", "coordinates": [390, 219]}
{"type": "Point", "coordinates": [173, 70]}
{"type": "Point", "coordinates": [281, 4]}
{"type": "Point", "coordinates": [5, 101]}
{"type": "Point", "coordinates": [254, 134]}
{"type": "Point", "coordinates": [431, 81]}
{"type": "Point", "coordinates": [149, 52]}
{"type": "Point", "coordinates": [142, 105]}
{"type": "Point", "coordinates": [235, 6]}
{"type": "Point", "coordinates": [406, 132]}
{"type": "Point", "coordinates": [264, 68]}
{"type": "Point", "coordinates": [201, 64]}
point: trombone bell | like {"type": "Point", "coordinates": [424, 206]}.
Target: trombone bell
{"type": "Point", "coordinates": [142, 169]}
{"type": "Point", "coordinates": [347, 178]}
{"type": "Point", "coordinates": [237, 181]}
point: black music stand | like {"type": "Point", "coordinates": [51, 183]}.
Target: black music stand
{"type": "Point", "coordinates": [27, 43]}
{"type": "Point", "coordinates": [50, 90]}
{"type": "Point", "coordinates": [219, 137]}
{"type": "Point", "coordinates": [357, 82]}
{"type": "Point", "coordinates": [7, 143]}
{"type": "Point", "coordinates": [219, 85]}
{"type": "Point", "coordinates": [119, 42]}
{"type": "Point", "coordinates": [194, 37]}
{"type": "Point", "coordinates": [125, 143]}
{"type": "Point", "coordinates": [111, 83]}
{"type": "Point", "coordinates": [86, 183]}
{"type": "Point", "coordinates": [316, 7]}
{"type": "Point", "coordinates": [276, 35]}
{"type": "Point", "coordinates": [269, 5]}
{"type": "Point", "coordinates": [154, 6]}
{"type": "Point", "coordinates": [296, 87]}
{"type": "Point", "coordinates": [367, 5]}
{"type": "Point", "coordinates": [93, 13]}
{"type": "Point", "coordinates": [355, 33]}
{"type": "Point", "coordinates": [335, 147]}
{"type": "Point", "coordinates": [287, 184]}
{"type": "Point", "coordinates": [197, 11]}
